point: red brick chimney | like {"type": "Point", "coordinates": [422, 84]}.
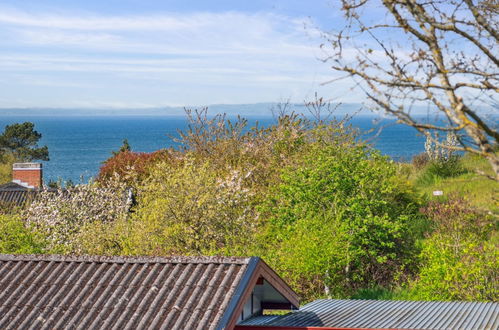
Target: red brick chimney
{"type": "Point", "coordinates": [27, 174]}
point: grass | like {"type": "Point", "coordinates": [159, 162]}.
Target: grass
{"type": "Point", "coordinates": [479, 190]}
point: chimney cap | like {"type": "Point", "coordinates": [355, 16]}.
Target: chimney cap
{"type": "Point", "coordinates": [27, 166]}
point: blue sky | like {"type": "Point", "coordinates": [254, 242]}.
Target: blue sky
{"type": "Point", "coordinates": [142, 53]}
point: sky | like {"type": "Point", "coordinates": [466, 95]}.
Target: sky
{"type": "Point", "coordinates": [153, 53]}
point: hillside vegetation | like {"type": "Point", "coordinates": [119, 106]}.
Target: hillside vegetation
{"type": "Point", "coordinates": [330, 214]}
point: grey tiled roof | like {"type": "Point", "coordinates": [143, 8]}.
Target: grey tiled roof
{"type": "Point", "coordinates": [47, 292]}
{"type": "Point", "coordinates": [372, 314]}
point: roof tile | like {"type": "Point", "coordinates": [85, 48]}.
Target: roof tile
{"type": "Point", "coordinates": [116, 292]}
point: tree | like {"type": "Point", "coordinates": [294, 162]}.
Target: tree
{"type": "Point", "coordinates": [439, 54]}
{"type": "Point", "coordinates": [21, 140]}
{"type": "Point", "coordinates": [125, 147]}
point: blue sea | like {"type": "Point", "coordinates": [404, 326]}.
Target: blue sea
{"type": "Point", "coordinates": [79, 145]}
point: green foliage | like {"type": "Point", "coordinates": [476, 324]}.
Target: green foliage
{"type": "Point", "coordinates": [231, 144]}
{"type": "Point", "coordinates": [192, 209]}
{"type": "Point", "coordinates": [441, 169]}
{"type": "Point", "coordinates": [18, 238]}
{"type": "Point", "coordinates": [125, 147]}
{"type": "Point", "coordinates": [21, 140]}
{"type": "Point", "coordinates": [329, 214]}
{"type": "Point", "coordinates": [341, 220]}
{"type": "Point", "coordinates": [460, 258]}
{"type": "Point", "coordinates": [6, 161]}
{"type": "Point", "coordinates": [105, 238]}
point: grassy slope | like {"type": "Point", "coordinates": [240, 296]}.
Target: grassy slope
{"type": "Point", "coordinates": [480, 191]}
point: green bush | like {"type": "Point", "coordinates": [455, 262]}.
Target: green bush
{"type": "Point", "coordinates": [194, 209]}
{"type": "Point", "coordinates": [341, 220]}
{"type": "Point", "coordinates": [460, 258]}
{"type": "Point", "coordinates": [441, 169]}
{"type": "Point", "coordinates": [18, 238]}
{"type": "Point", "coordinates": [6, 161]}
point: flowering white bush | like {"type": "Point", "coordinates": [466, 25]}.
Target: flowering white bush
{"type": "Point", "coordinates": [444, 151]}
{"type": "Point", "coordinates": [61, 214]}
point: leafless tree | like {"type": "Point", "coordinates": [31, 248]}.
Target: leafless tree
{"type": "Point", "coordinates": [320, 109]}
{"type": "Point", "coordinates": [441, 54]}
{"type": "Point", "coordinates": [282, 108]}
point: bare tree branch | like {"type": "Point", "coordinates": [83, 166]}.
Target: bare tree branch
{"type": "Point", "coordinates": [442, 54]}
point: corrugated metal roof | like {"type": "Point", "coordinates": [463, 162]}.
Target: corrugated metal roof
{"type": "Point", "coordinates": [46, 292]}
{"type": "Point", "coordinates": [389, 314]}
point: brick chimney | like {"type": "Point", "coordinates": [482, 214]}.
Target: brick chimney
{"type": "Point", "coordinates": [28, 175]}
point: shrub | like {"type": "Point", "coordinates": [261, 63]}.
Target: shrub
{"type": "Point", "coordinates": [340, 221]}
{"type": "Point", "coordinates": [130, 166]}
{"type": "Point", "coordinates": [193, 210]}
{"type": "Point", "coordinates": [446, 169]}
{"type": "Point", "coordinates": [17, 237]}
{"type": "Point", "coordinates": [6, 161]}
{"type": "Point", "coordinates": [441, 169]}
{"type": "Point", "coordinates": [61, 215]}
{"type": "Point", "coordinates": [232, 144]}
{"type": "Point", "coordinates": [459, 258]}
{"type": "Point", "coordinates": [263, 151]}
{"type": "Point", "coordinates": [419, 161]}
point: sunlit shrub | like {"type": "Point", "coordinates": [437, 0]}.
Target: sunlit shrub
{"type": "Point", "coordinates": [419, 161]}
{"type": "Point", "coordinates": [193, 209]}
{"type": "Point", "coordinates": [460, 258]}
{"type": "Point", "coordinates": [341, 220]}
{"type": "Point", "coordinates": [17, 237]}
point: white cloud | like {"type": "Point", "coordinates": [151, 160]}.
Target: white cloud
{"type": "Point", "coordinates": [57, 37]}
{"type": "Point", "coordinates": [251, 24]}
{"type": "Point", "coordinates": [206, 57]}
{"type": "Point", "coordinates": [194, 33]}
{"type": "Point", "coordinates": [169, 22]}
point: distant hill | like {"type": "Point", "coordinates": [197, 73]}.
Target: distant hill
{"type": "Point", "coordinates": [257, 109]}
{"type": "Point", "coordinates": [247, 110]}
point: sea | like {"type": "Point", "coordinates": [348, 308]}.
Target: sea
{"type": "Point", "coordinates": [78, 146]}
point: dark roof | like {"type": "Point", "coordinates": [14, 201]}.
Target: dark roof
{"type": "Point", "coordinates": [125, 292]}
{"type": "Point", "coordinates": [12, 193]}
{"type": "Point", "coordinates": [378, 314]}
{"type": "Point", "coordinates": [15, 194]}
{"type": "Point", "coordinates": [11, 186]}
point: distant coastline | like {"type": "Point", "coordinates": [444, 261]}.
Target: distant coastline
{"type": "Point", "coordinates": [250, 110]}
{"type": "Point", "coordinates": [246, 110]}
